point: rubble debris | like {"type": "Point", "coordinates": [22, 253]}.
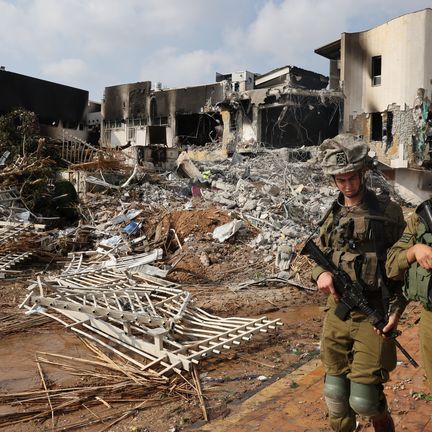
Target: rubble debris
{"type": "Point", "coordinates": [120, 272]}
{"type": "Point", "coordinates": [187, 167]}
{"type": "Point", "coordinates": [224, 232]}
{"type": "Point", "coordinates": [121, 381]}
{"type": "Point", "coordinates": [9, 260]}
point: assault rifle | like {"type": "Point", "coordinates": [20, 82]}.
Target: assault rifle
{"type": "Point", "coordinates": [352, 296]}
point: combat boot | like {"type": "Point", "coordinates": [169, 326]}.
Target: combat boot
{"type": "Point", "coordinates": [383, 423]}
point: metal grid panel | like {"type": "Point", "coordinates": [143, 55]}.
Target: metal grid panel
{"type": "Point", "coordinates": [148, 320]}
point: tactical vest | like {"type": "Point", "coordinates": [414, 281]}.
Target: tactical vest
{"type": "Point", "coordinates": [357, 240]}
{"type": "Point", "coordinates": [417, 285]}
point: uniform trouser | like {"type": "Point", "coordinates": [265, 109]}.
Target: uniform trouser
{"type": "Point", "coordinates": [425, 330]}
{"type": "Point", "coordinates": [353, 349]}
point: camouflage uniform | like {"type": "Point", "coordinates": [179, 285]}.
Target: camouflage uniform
{"type": "Point", "coordinates": [397, 266]}
{"type": "Point", "coordinates": [352, 348]}
{"type": "Point", "coordinates": [357, 360]}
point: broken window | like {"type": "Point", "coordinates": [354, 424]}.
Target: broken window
{"type": "Point", "coordinates": [376, 70]}
{"type": "Point", "coordinates": [157, 135]}
{"type": "Point", "coordinates": [376, 126]}
{"type": "Point", "coordinates": [387, 128]}
{"type": "Point", "coordinates": [198, 129]}
{"type": "Point", "coordinates": [131, 134]}
{"type": "Point", "coordinates": [107, 136]}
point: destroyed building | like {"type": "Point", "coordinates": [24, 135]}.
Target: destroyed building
{"type": "Point", "coordinates": [152, 120]}
{"type": "Point", "coordinates": [385, 74]}
{"type": "Point", "coordinates": [286, 107]}
{"type": "Point", "coordinates": [63, 112]}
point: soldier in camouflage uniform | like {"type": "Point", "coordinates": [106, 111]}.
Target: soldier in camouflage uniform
{"type": "Point", "coordinates": [411, 258]}
{"type": "Point", "coordinates": [355, 234]}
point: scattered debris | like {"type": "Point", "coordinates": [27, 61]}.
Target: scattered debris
{"type": "Point", "coordinates": [118, 261]}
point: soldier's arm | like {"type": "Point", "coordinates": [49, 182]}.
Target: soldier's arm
{"type": "Point", "coordinates": [397, 301]}
{"type": "Point", "coordinates": [397, 261]}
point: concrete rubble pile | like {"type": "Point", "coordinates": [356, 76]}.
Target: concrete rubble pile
{"type": "Point", "coordinates": [109, 292]}
{"type": "Point", "coordinates": [282, 197]}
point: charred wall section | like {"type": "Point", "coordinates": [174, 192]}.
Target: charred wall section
{"type": "Point", "coordinates": [126, 101]}
{"type": "Point", "coordinates": [300, 120]}
{"type": "Point", "coordinates": [188, 100]}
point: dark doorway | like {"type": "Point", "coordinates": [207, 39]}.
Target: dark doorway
{"type": "Point", "coordinates": [198, 129]}
{"type": "Point", "coordinates": [297, 125]}
{"type": "Point", "coordinates": [376, 126]}
{"type": "Point", "coordinates": [157, 135]}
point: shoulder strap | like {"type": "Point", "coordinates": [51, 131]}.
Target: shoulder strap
{"type": "Point", "coordinates": [377, 231]}
{"type": "Point", "coordinates": [331, 210]}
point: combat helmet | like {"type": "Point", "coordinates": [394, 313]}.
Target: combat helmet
{"type": "Point", "coordinates": [342, 154]}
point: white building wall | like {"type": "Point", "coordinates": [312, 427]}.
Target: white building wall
{"type": "Point", "coordinates": [406, 66]}
{"type": "Point", "coordinates": [118, 138]}
{"type": "Point", "coordinates": [141, 135]}
{"type": "Point", "coordinates": [414, 186]}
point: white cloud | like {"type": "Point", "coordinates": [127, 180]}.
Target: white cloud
{"type": "Point", "coordinates": [96, 43]}
{"type": "Point", "coordinates": [175, 69]}
{"type": "Point", "coordinates": [65, 70]}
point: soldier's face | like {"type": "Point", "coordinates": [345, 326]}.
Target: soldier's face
{"type": "Point", "coordinates": [350, 184]}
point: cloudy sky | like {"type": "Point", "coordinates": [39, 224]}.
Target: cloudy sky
{"type": "Point", "coordinates": [92, 44]}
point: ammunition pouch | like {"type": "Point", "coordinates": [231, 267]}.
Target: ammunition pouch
{"type": "Point", "coordinates": [418, 285]}
{"type": "Point", "coordinates": [358, 266]}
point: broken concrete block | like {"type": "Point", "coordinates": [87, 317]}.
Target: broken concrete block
{"type": "Point", "coordinates": [237, 158]}
{"type": "Point", "coordinates": [259, 240]}
{"type": "Point", "coordinates": [218, 184]}
{"type": "Point", "coordinates": [283, 257]}
{"type": "Point", "coordinates": [224, 232]}
{"type": "Point", "coordinates": [205, 260]}
{"type": "Point", "coordinates": [187, 167]}
{"type": "Point", "coordinates": [290, 231]}
{"type": "Point", "coordinates": [271, 189]}
{"type": "Point", "coordinates": [249, 205]}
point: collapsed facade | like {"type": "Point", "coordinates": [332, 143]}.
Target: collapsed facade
{"type": "Point", "coordinates": [286, 107]}
{"type": "Point", "coordinates": [385, 74]}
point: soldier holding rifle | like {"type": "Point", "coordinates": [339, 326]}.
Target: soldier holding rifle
{"type": "Point", "coordinates": [355, 235]}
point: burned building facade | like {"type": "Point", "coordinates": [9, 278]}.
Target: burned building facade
{"type": "Point", "coordinates": [146, 119]}
{"type": "Point", "coordinates": [59, 108]}
{"type": "Point", "coordinates": [287, 107]}
{"type": "Point", "coordinates": [385, 74]}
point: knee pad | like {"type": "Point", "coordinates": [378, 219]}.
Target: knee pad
{"type": "Point", "coordinates": [336, 394]}
{"type": "Point", "coordinates": [366, 399]}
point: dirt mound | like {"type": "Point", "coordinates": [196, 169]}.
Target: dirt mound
{"type": "Point", "coordinates": [199, 223]}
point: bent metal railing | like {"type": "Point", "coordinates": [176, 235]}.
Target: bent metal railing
{"type": "Point", "coordinates": [147, 320]}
